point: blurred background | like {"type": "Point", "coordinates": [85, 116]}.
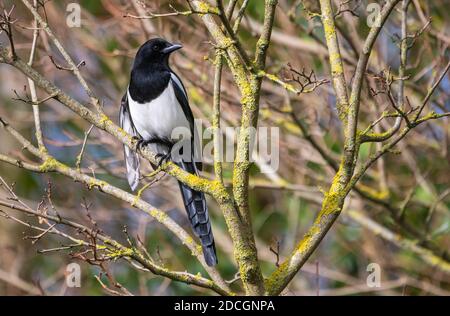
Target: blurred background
{"type": "Point", "coordinates": [413, 180]}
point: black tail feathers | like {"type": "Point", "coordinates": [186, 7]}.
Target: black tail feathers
{"type": "Point", "coordinates": [197, 211]}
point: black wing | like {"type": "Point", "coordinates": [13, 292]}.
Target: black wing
{"type": "Point", "coordinates": [181, 95]}
{"type": "Point", "coordinates": [194, 201]}
{"type": "Point", "coordinates": [131, 157]}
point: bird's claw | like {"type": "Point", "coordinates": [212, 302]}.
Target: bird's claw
{"type": "Point", "coordinates": [141, 143]}
{"type": "Point", "coordinates": [163, 158]}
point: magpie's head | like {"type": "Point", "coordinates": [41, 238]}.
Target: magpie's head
{"type": "Point", "coordinates": [155, 51]}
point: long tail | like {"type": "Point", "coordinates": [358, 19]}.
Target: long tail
{"type": "Point", "coordinates": [197, 211]}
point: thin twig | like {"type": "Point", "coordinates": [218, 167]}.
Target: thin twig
{"type": "Point", "coordinates": [83, 147]}
{"type": "Point", "coordinates": [74, 67]}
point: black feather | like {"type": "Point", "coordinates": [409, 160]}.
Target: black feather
{"type": "Point", "coordinates": [197, 210]}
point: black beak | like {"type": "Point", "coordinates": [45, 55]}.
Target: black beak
{"type": "Point", "coordinates": [171, 48]}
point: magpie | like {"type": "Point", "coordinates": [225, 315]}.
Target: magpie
{"type": "Point", "coordinates": [155, 104]}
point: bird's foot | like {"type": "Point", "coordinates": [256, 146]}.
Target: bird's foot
{"type": "Point", "coordinates": [163, 158]}
{"type": "Point", "coordinates": [140, 142]}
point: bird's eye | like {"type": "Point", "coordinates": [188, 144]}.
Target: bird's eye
{"type": "Point", "coordinates": [156, 48]}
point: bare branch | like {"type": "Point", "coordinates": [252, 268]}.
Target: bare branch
{"type": "Point", "coordinates": [73, 67]}
{"type": "Point", "coordinates": [50, 164]}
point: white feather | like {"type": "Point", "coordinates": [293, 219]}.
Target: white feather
{"type": "Point", "coordinates": [178, 83]}
{"type": "Point", "coordinates": [158, 117]}
{"type": "Point", "coordinates": [131, 158]}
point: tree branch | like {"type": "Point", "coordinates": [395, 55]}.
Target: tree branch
{"type": "Point", "coordinates": [117, 249]}
{"type": "Point", "coordinates": [335, 59]}
{"type": "Point", "coordinates": [73, 67]}
{"type": "Point", "coordinates": [398, 240]}
{"type": "Point", "coordinates": [50, 164]}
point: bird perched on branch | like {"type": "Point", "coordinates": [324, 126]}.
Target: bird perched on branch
{"type": "Point", "coordinates": [154, 106]}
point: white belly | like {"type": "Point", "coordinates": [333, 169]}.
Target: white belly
{"type": "Point", "coordinates": [159, 117]}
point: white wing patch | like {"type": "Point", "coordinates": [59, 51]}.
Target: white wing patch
{"type": "Point", "coordinates": [131, 158]}
{"type": "Point", "coordinates": [178, 83]}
